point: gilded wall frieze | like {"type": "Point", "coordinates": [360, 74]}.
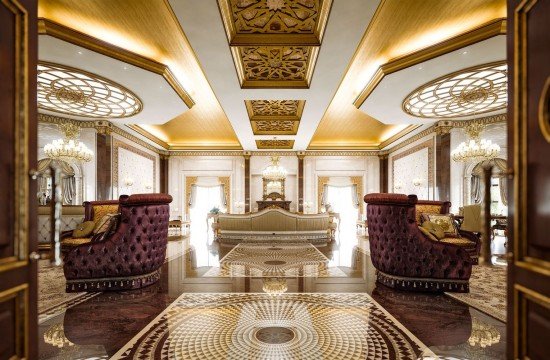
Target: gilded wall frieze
{"type": "Point", "coordinates": [284, 21]}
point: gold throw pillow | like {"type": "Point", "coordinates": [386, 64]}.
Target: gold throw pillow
{"type": "Point", "coordinates": [443, 220]}
{"type": "Point", "coordinates": [83, 230]}
{"type": "Point", "coordinates": [427, 233]}
{"type": "Point", "coordinates": [434, 229]}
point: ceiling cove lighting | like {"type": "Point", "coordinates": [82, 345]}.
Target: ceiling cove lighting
{"type": "Point", "coordinates": [467, 92]}
{"type": "Point", "coordinates": [68, 149]}
{"type": "Point", "coordinates": [71, 91]}
{"type": "Point", "coordinates": [476, 149]}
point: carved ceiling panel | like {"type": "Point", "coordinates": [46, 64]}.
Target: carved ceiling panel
{"type": "Point", "coordinates": [285, 21]}
{"type": "Point", "coordinates": [267, 109]}
{"type": "Point", "coordinates": [275, 144]}
{"type": "Point", "coordinates": [275, 127]}
{"type": "Point", "coordinates": [275, 66]}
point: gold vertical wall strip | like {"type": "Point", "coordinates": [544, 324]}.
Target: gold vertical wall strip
{"type": "Point", "coordinates": [226, 182]}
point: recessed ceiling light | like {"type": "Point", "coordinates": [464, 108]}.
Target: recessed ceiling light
{"type": "Point", "coordinates": [79, 52]}
{"type": "Point", "coordinates": [464, 52]}
{"type": "Point", "coordinates": [125, 68]}
{"type": "Point", "coordinates": [420, 67]}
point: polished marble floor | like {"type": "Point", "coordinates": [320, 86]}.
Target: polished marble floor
{"type": "Point", "coordinates": [429, 325]}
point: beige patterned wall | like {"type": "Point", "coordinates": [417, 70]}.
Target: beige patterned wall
{"type": "Point", "coordinates": [135, 164]}
{"type": "Point", "coordinates": [411, 165]}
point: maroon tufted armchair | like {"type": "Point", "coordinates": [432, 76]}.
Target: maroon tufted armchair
{"type": "Point", "coordinates": [404, 257]}
{"type": "Point", "coordinates": [131, 257]}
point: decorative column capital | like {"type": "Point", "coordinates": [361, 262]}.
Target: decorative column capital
{"type": "Point", "coordinates": [443, 127]}
{"type": "Point", "coordinates": [301, 155]}
{"type": "Point", "coordinates": [103, 127]}
{"type": "Point", "coordinates": [247, 155]}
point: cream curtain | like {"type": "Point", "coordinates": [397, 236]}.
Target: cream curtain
{"type": "Point", "coordinates": [193, 196]}
{"type": "Point", "coordinates": [499, 170]}
{"type": "Point", "coordinates": [68, 181]}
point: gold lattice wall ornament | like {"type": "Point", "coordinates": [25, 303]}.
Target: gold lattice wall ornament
{"type": "Point", "coordinates": [288, 108]}
{"type": "Point", "coordinates": [275, 144]}
{"type": "Point", "coordinates": [471, 91]}
{"type": "Point", "coordinates": [67, 90]}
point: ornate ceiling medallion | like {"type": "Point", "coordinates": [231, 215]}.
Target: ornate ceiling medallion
{"type": "Point", "coordinates": [247, 20]}
{"type": "Point", "coordinates": [467, 92]}
{"type": "Point", "coordinates": [67, 90]}
{"type": "Point", "coordinates": [275, 144]}
{"type": "Point", "coordinates": [276, 66]}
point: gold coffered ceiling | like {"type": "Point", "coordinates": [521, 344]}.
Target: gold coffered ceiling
{"type": "Point", "coordinates": [399, 29]}
{"type": "Point", "coordinates": [149, 29]}
{"type": "Point", "coordinates": [286, 22]}
{"type": "Point", "coordinates": [274, 43]}
{"type": "Point", "coordinates": [274, 117]}
{"type": "Point", "coordinates": [275, 144]}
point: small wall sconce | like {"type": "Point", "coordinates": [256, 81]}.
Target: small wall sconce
{"type": "Point", "coordinates": [128, 182]}
{"type": "Point", "coordinates": [308, 205]}
{"type": "Point", "coordinates": [417, 182]}
{"type": "Point", "coordinates": [148, 186]}
{"type": "Point", "coordinates": [397, 186]}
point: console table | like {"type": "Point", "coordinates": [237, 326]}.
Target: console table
{"type": "Point", "coordinates": [264, 204]}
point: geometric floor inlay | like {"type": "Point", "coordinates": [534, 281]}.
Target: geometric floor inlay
{"type": "Point", "coordinates": [288, 260]}
{"type": "Point", "coordinates": [288, 326]}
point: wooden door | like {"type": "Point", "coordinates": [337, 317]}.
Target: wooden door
{"type": "Point", "coordinates": [18, 303]}
{"type": "Point", "coordinates": [529, 157]}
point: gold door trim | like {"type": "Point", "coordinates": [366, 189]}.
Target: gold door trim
{"type": "Point", "coordinates": [21, 138]}
{"type": "Point", "coordinates": [21, 293]}
{"type": "Point", "coordinates": [521, 296]}
{"type": "Point", "coordinates": [544, 115]}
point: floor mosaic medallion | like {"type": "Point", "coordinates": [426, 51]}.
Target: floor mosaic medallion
{"type": "Point", "coordinates": [288, 260]}
{"type": "Point", "coordinates": [260, 326]}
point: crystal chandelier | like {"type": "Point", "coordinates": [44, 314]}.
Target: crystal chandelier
{"type": "Point", "coordinates": [274, 171]}
{"type": "Point", "coordinates": [275, 286]}
{"type": "Point", "coordinates": [68, 149]}
{"type": "Point", "coordinates": [476, 149]}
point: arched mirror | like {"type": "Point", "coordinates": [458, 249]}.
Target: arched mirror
{"type": "Point", "coordinates": [68, 181]}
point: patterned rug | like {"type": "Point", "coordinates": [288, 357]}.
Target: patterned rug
{"type": "Point", "coordinates": [261, 260]}
{"type": "Point", "coordinates": [51, 287]}
{"type": "Point", "coordinates": [487, 291]}
{"type": "Point", "coordinates": [260, 326]}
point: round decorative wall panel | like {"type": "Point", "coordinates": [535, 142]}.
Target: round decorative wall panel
{"type": "Point", "coordinates": [467, 92]}
{"type": "Point", "coordinates": [77, 92]}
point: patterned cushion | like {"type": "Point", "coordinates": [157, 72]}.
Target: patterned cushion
{"type": "Point", "coordinates": [434, 229]}
{"type": "Point", "coordinates": [102, 210]}
{"type": "Point", "coordinates": [445, 221]}
{"type": "Point", "coordinates": [458, 241]}
{"type": "Point", "coordinates": [427, 208]}
{"type": "Point", "coordinates": [427, 233]}
{"type": "Point", "coordinates": [83, 230]}
{"type": "Point", "coordinates": [103, 224]}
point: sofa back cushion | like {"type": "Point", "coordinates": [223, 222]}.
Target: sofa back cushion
{"type": "Point", "coordinates": [102, 210]}
{"type": "Point", "coordinates": [312, 223]}
{"type": "Point", "coordinates": [273, 221]}
{"type": "Point", "coordinates": [234, 223]}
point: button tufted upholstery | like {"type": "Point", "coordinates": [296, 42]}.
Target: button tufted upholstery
{"type": "Point", "coordinates": [132, 256]}
{"type": "Point", "coordinates": [404, 257]}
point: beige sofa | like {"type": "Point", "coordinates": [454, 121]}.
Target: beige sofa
{"type": "Point", "coordinates": [274, 225]}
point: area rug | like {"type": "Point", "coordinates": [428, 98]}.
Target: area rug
{"type": "Point", "coordinates": [288, 326]}
{"type": "Point", "coordinates": [51, 287]}
{"type": "Point", "coordinates": [279, 260]}
{"type": "Point", "coordinates": [487, 291]}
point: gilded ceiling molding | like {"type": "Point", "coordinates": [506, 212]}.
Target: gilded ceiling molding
{"type": "Point", "coordinates": [205, 153]}
{"type": "Point", "coordinates": [286, 21]}
{"type": "Point", "coordinates": [483, 32]}
{"type": "Point", "coordinates": [148, 135]}
{"type": "Point", "coordinates": [102, 127]}
{"type": "Point", "coordinates": [48, 27]}
{"type": "Point", "coordinates": [398, 136]}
